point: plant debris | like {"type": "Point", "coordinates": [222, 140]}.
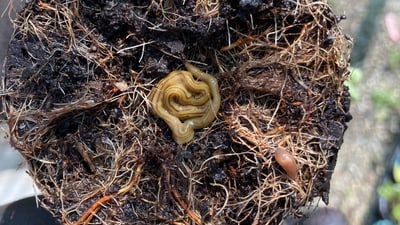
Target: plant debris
{"type": "Point", "coordinates": [75, 94]}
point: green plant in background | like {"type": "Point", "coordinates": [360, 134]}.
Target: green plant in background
{"type": "Point", "coordinates": [355, 78]}
{"type": "Point", "coordinates": [386, 98]}
{"type": "Point", "coordinates": [390, 190]}
{"type": "Point", "coordinates": [385, 101]}
{"type": "Point", "coordinates": [396, 170]}
{"type": "Point", "coordinates": [394, 59]}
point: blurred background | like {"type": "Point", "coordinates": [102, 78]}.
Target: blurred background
{"type": "Point", "coordinates": [14, 181]}
{"type": "Point", "coordinates": [365, 161]}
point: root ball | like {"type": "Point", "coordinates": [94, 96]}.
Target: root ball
{"type": "Point", "coordinates": [76, 96]}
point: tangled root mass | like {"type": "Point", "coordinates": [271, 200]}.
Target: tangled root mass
{"type": "Point", "coordinates": [75, 95]}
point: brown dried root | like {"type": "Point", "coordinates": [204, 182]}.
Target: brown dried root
{"type": "Point", "coordinates": [207, 8]}
{"type": "Point", "coordinates": [184, 206]}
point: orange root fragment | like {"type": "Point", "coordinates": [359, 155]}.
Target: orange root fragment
{"type": "Point", "coordinates": [87, 216]}
{"type": "Point", "coordinates": [192, 215]}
